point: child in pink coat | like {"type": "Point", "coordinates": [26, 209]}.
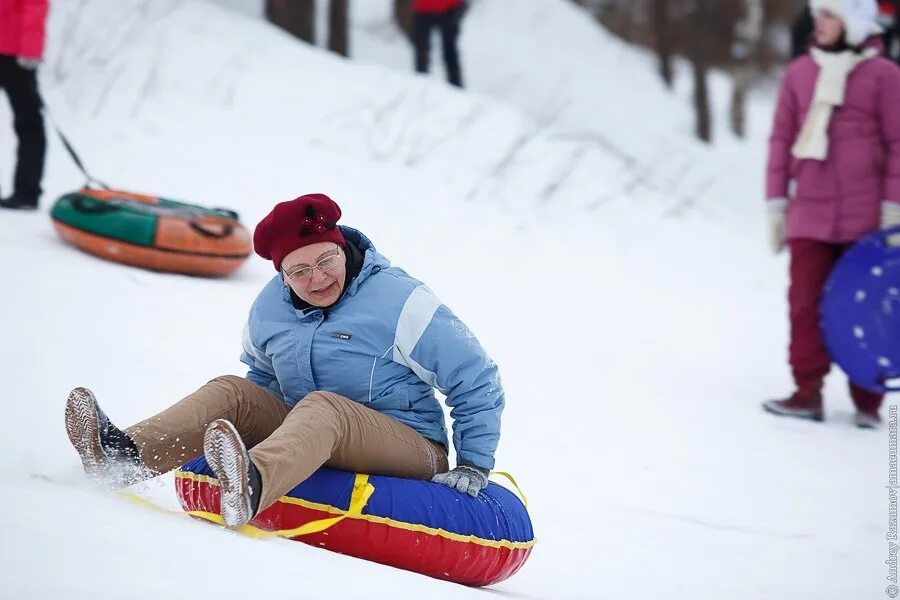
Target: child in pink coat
{"type": "Point", "coordinates": [833, 177]}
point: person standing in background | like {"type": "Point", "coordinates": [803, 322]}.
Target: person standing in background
{"type": "Point", "coordinates": [836, 136]}
{"type": "Point", "coordinates": [22, 27]}
{"type": "Point", "coordinates": [446, 16]}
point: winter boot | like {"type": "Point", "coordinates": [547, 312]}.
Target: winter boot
{"type": "Point", "coordinates": [106, 452]}
{"type": "Point", "coordinates": [239, 479]}
{"type": "Point", "coordinates": [19, 202]}
{"type": "Point", "coordinates": [801, 405]}
{"type": "Point", "coordinates": [867, 405]}
{"type": "Point", "coordinates": [867, 420]}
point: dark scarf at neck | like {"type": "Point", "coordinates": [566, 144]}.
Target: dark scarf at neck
{"type": "Point", "coordinates": [840, 46]}
{"type": "Point", "coordinates": [355, 259]}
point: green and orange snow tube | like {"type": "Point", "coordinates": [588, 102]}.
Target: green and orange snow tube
{"type": "Point", "coordinates": [152, 232]}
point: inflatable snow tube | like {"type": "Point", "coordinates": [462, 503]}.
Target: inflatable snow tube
{"type": "Point", "coordinates": [860, 313]}
{"type": "Point", "coordinates": [151, 232]}
{"type": "Point", "coordinates": [415, 525]}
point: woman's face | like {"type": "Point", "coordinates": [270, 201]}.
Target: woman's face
{"type": "Point", "coordinates": [829, 28]}
{"type": "Point", "coordinates": [316, 273]}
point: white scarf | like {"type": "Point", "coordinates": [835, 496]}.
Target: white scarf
{"type": "Point", "coordinates": [834, 68]}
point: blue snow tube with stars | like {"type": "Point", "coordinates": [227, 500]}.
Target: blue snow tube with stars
{"type": "Point", "coordinates": [860, 313]}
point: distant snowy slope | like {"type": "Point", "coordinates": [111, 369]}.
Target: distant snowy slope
{"type": "Point", "coordinates": [597, 98]}
{"type": "Point", "coordinates": [549, 58]}
{"type": "Point", "coordinates": [149, 66]}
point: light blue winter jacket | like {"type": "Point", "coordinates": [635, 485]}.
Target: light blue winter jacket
{"type": "Point", "coordinates": [387, 343]}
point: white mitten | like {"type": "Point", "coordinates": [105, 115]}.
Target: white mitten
{"type": "Point", "coordinates": [777, 209]}
{"type": "Point", "coordinates": [890, 217]}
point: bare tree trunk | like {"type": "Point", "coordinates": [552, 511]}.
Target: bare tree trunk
{"type": "Point", "coordinates": [738, 113]}
{"type": "Point", "coordinates": [662, 31]}
{"type": "Point", "coordinates": [698, 17]}
{"type": "Point", "coordinates": [294, 16]}
{"type": "Point", "coordinates": [403, 16]}
{"type": "Point", "coordinates": [338, 27]}
{"type": "Point", "coordinates": [748, 33]}
{"type": "Point", "coordinates": [627, 12]}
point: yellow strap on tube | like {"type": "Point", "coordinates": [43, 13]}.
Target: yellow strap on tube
{"type": "Point", "coordinates": [247, 530]}
{"type": "Point", "coordinates": [362, 491]}
{"type": "Point", "coordinates": [512, 480]}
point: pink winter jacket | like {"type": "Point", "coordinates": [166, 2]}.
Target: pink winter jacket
{"type": "Point", "coordinates": [838, 199]}
{"type": "Point", "coordinates": [22, 27]}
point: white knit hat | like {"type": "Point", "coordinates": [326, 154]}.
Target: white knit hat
{"type": "Point", "coordinates": [860, 17]}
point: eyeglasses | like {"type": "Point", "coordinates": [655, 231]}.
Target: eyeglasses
{"type": "Point", "coordinates": [325, 264]}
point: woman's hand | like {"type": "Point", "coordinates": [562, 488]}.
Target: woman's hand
{"type": "Point", "coordinates": [890, 217]}
{"type": "Point", "coordinates": [468, 479]}
{"type": "Point", "coordinates": [777, 208]}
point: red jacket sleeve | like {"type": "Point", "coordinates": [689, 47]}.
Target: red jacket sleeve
{"type": "Point", "coordinates": [784, 133]}
{"type": "Point", "coordinates": [889, 117]}
{"type": "Point", "coordinates": [32, 27]}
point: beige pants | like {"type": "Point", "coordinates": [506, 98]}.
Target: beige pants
{"type": "Point", "coordinates": [288, 445]}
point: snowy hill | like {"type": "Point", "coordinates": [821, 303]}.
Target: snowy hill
{"type": "Point", "coordinates": [630, 304]}
{"type": "Point", "coordinates": [598, 99]}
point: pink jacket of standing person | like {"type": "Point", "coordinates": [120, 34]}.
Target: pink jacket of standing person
{"type": "Point", "coordinates": [22, 27]}
{"type": "Point", "coordinates": [435, 6]}
{"type": "Point", "coordinates": [838, 199]}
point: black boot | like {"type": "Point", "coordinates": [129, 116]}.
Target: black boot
{"type": "Point", "coordinates": [19, 202]}
{"type": "Point", "coordinates": [106, 452]}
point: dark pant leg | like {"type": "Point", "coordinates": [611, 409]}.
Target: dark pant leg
{"type": "Point", "coordinates": [811, 263]}
{"type": "Point", "coordinates": [421, 34]}
{"type": "Point", "coordinates": [449, 25]}
{"type": "Point", "coordinates": [7, 64]}
{"type": "Point", "coordinates": [21, 88]}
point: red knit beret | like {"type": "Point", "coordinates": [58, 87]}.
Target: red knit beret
{"type": "Point", "coordinates": [306, 220]}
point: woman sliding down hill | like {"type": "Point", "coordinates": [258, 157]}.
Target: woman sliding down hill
{"type": "Point", "coordinates": [344, 351]}
{"type": "Point", "coordinates": [837, 136]}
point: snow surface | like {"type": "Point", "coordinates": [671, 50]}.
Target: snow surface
{"type": "Point", "coordinates": [615, 269]}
